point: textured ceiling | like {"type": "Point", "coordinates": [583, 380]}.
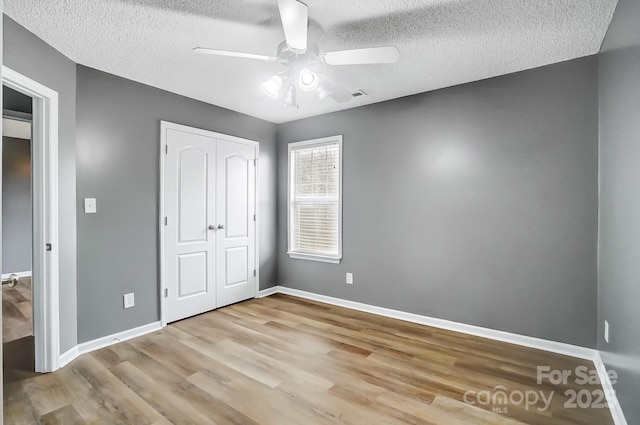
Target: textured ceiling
{"type": "Point", "coordinates": [442, 42]}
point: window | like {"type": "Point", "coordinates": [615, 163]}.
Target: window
{"type": "Point", "coordinates": [315, 199]}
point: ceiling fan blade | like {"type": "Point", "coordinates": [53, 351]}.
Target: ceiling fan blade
{"type": "Point", "coordinates": [373, 55]}
{"type": "Point", "coordinates": [215, 52]}
{"type": "Point", "coordinates": [338, 93]}
{"type": "Point", "coordinates": [295, 21]}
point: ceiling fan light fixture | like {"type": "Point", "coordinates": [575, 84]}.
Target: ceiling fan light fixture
{"type": "Point", "coordinates": [272, 86]}
{"type": "Point", "coordinates": [300, 56]}
{"type": "Point", "coordinates": [290, 97]}
{"type": "Point", "coordinates": [322, 93]}
{"type": "Point", "coordinates": [309, 80]}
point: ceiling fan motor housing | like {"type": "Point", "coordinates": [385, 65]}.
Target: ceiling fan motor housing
{"type": "Point", "coordinates": [289, 57]}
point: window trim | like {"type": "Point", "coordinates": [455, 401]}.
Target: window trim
{"type": "Point", "coordinates": [335, 259]}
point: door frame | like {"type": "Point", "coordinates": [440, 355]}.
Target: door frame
{"type": "Point", "coordinates": [44, 264]}
{"type": "Point", "coordinates": [164, 126]}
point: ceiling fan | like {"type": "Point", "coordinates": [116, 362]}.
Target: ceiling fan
{"type": "Point", "coordinates": [303, 60]}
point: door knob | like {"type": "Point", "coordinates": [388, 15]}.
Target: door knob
{"type": "Point", "coordinates": [12, 281]}
{"type": "Point", "coordinates": [212, 227]}
{"type": "Point", "coordinates": [220, 226]}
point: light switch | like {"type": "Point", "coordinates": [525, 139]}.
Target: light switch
{"type": "Point", "coordinates": [90, 206]}
{"type": "Point", "coordinates": [129, 300]}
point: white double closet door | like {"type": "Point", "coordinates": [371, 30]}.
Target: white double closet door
{"type": "Point", "coordinates": [210, 225]}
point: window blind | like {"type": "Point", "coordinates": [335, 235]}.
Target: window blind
{"type": "Point", "coordinates": [315, 200]}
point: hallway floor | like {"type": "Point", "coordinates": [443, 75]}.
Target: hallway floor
{"type": "Point", "coordinates": [17, 311]}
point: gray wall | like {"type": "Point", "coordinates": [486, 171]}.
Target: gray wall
{"type": "Point", "coordinates": [32, 57]}
{"type": "Point", "coordinates": [619, 267]}
{"type": "Point", "coordinates": [16, 205]}
{"type": "Point", "coordinates": [476, 203]}
{"type": "Point", "coordinates": [118, 137]}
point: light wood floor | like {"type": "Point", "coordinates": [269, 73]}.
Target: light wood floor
{"type": "Point", "coordinates": [282, 360]}
{"type": "Point", "coordinates": [17, 311]}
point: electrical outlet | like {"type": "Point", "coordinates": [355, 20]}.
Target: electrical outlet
{"type": "Point", "coordinates": [349, 278]}
{"type": "Point", "coordinates": [129, 300]}
{"type": "Point", "coordinates": [606, 331]}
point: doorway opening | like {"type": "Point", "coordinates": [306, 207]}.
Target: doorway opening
{"type": "Point", "coordinates": [34, 168]}
{"type": "Point", "coordinates": [17, 295]}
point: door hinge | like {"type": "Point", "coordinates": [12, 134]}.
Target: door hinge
{"type": "Point", "coordinates": [254, 272]}
{"type": "Point", "coordinates": [165, 221]}
{"type": "Point", "coordinates": [254, 217]}
{"type": "Point", "coordinates": [47, 247]}
{"type": "Point", "coordinates": [166, 149]}
{"type": "Point", "coordinates": [166, 292]}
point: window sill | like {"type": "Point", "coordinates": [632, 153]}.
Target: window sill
{"type": "Point", "coordinates": [311, 257]}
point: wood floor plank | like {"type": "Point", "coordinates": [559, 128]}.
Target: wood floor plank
{"type": "Point", "coordinates": [66, 415]}
{"type": "Point", "coordinates": [285, 371]}
{"type": "Point", "coordinates": [17, 405]}
{"type": "Point", "coordinates": [335, 407]}
{"type": "Point", "coordinates": [106, 393]}
{"type": "Point", "coordinates": [282, 360]}
{"type": "Point", "coordinates": [257, 372]}
{"type": "Point", "coordinates": [323, 366]}
{"type": "Point", "coordinates": [259, 402]}
{"type": "Point", "coordinates": [175, 410]}
{"type": "Point", "coordinates": [404, 415]}
{"type": "Point", "coordinates": [46, 394]}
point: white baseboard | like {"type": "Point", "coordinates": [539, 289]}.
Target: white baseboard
{"type": "Point", "coordinates": [512, 338]}
{"type": "Point", "coordinates": [269, 291]}
{"type": "Point", "coordinates": [106, 341]}
{"type": "Point", "coordinates": [69, 356]}
{"type": "Point", "coordinates": [609, 391]}
{"type": "Point", "coordinates": [20, 274]}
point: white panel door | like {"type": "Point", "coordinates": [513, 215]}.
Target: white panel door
{"type": "Point", "coordinates": [190, 245]}
{"type": "Point", "coordinates": [236, 208]}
